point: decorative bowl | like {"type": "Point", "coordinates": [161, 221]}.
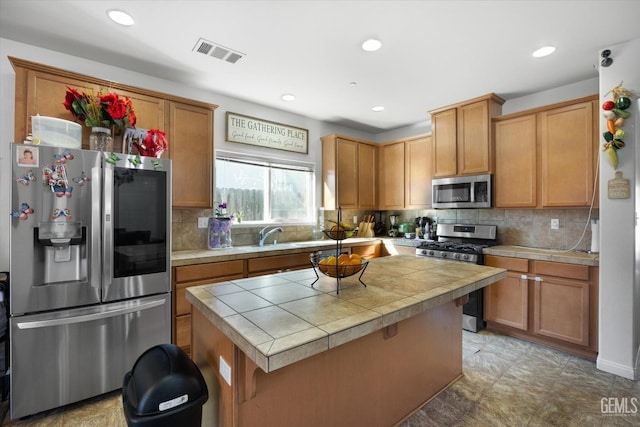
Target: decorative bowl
{"type": "Point", "coordinates": [339, 233]}
{"type": "Point", "coordinates": [332, 269]}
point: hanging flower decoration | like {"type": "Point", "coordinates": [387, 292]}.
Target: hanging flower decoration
{"type": "Point", "coordinates": [153, 144]}
{"type": "Point", "coordinates": [108, 110]}
{"type": "Point", "coordinates": [616, 113]}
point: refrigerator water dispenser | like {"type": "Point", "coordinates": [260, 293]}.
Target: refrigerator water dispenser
{"type": "Point", "coordinates": [63, 251]}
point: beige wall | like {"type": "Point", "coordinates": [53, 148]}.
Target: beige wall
{"type": "Point", "coordinates": [522, 227]}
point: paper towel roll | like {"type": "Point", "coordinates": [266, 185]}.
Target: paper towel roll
{"type": "Point", "coordinates": [595, 236]}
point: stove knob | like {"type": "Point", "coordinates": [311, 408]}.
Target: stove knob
{"type": "Point", "coordinates": [456, 256]}
{"type": "Point", "coordinates": [443, 254]}
{"type": "Point", "coordinates": [465, 257]}
{"type": "Point", "coordinates": [424, 252]}
{"type": "Point", "coordinates": [430, 253]}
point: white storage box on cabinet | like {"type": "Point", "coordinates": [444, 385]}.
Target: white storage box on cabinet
{"type": "Point", "coordinates": [56, 132]}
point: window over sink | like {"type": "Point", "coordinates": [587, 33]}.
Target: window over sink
{"type": "Point", "coordinates": [265, 190]}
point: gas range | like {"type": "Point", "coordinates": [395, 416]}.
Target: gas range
{"type": "Point", "coordinates": [459, 242]}
{"type": "Point", "coordinates": [463, 243]}
{"type": "Point", "coordinates": [457, 252]}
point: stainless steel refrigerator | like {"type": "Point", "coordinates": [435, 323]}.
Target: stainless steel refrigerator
{"type": "Point", "coordinates": [90, 271]}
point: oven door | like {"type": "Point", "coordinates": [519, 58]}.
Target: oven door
{"type": "Point", "coordinates": [472, 312]}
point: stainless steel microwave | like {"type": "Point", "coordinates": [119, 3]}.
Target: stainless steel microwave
{"type": "Point", "coordinates": [459, 192]}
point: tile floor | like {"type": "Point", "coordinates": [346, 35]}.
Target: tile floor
{"type": "Point", "coordinates": [507, 382]}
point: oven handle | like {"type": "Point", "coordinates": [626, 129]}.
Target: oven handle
{"type": "Point", "coordinates": [90, 317]}
{"type": "Point", "coordinates": [525, 277]}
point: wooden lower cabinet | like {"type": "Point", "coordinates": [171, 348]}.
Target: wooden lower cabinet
{"type": "Point", "coordinates": [194, 275]}
{"type": "Point", "coordinates": [507, 301]}
{"type": "Point", "coordinates": [550, 303]}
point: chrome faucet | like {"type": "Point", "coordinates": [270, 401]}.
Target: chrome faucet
{"type": "Point", "coordinates": [262, 235]}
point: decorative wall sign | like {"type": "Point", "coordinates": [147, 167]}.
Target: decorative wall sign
{"type": "Point", "coordinates": [263, 133]}
{"type": "Point", "coordinates": [618, 187]}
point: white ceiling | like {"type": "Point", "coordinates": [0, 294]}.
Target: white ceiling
{"type": "Point", "coordinates": [434, 53]}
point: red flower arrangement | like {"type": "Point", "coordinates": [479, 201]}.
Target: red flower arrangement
{"type": "Point", "coordinates": [153, 145]}
{"type": "Point", "coordinates": [107, 110]}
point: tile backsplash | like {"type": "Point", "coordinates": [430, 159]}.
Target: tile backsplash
{"type": "Point", "coordinates": [521, 227]}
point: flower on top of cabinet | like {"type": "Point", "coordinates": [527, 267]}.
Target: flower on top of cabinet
{"type": "Point", "coordinates": [108, 110]}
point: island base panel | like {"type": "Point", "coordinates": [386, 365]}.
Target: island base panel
{"type": "Point", "coordinates": [377, 380]}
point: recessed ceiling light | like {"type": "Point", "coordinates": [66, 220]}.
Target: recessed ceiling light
{"type": "Point", "coordinates": [288, 97]}
{"type": "Point", "coordinates": [378, 108]}
{"type": "Point", "coordinates": [353, 84]}
{"type": "Point", "coordinates": [544, 51]}
{"type": "Point", "coordinates": [371, 45]}
{"type": "Point", "coordinates": [120, 17]}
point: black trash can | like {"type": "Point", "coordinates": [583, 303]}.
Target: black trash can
{"type": "Point", "coordinates": [164, 389]}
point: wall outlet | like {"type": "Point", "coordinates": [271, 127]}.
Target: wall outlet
{"type": "Point", "coordinates": [225, 370]}
{"type": "Point", "coordinates": [203, 221]}
{"type": "Point", "coordinates": [555, 223]}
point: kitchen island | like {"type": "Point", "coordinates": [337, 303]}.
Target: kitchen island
{"type": "Point", "coordinates": [276, 351]}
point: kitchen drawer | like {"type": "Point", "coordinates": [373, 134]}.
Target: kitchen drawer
{"type": "Point", "coordinates": [558, 269]}
{"type": "Point", "coordinates": [182, 305]}
{"type": "Point", "coordinates": [191, 273]}
{"type": "Point", "coordinates": [278, 262]}
{"type": "Point", "coordinates": [511, 264]}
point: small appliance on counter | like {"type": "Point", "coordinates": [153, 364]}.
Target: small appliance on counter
{"type": "Point", "coordinates": [379, 228]}
{"type": "Point", "coordinates": [423, 227]}
{"type": "Point", "coordinates": [393, 229]}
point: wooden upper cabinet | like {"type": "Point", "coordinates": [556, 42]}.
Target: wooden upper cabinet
{"type": "Point", "coordinates": [347, 159]}
{"type": "Point", "coordinates": [150, 110]}
{"type": "Point", "coordinates": [41, 93]}
{"type": "Point", "coordinates": [349, 178]}
{"type": "Point", "coordinates": [566, 149]}
{"type": "Point", "coordinates": [188, 124]}
{"type": "Point", "coordinates": [191, 153]}
{"type": "Point", "coordinates": [392, 176]}
{"type": "Point", "coordinates": [546, 157]}
{"type": "Point", "coordinates": [462, 141]}
{"type": "Point", "coordinates": [515, 180]}
{"type": "Point", "coordinates": [445, 128]}
{"type": "Point", "coordinates": [405, 173]}
{"type": "Point", "coordinates": [367, 184]}
{"type": "Point", "coordinates": [474, 140]}
{"type": "Point", "coordinates": [418, 171]}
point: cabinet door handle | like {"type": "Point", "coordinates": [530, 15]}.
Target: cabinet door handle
{"type": "Point", "coordinates": [525, 277]}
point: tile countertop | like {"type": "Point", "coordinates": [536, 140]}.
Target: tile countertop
{"type": "Point", "coordinates": [201, 256]}
{"type": "Point", "coordinates": [570, 257]}
{"type": "Point", "coordinates": [279, 319]}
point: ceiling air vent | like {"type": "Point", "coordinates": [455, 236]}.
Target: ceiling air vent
{"type": "Point", "coordinates": [217, 51]}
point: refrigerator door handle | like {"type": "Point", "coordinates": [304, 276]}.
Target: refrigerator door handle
{"type": "Point", "coordinates": [107, 230]}
{"type": "Point", "coordinates": [96, 214]}
{"type": "Point", "coordinates": [89, 317]}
